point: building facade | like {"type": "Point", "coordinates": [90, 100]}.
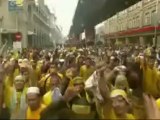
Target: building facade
{"type": "Point", "coordinates": [33, 20]}
{"type": "Point", "coordinates": [13, 21]}
{"type": "Point", "coordinates": [139, 24]}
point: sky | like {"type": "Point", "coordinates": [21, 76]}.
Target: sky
{"type": "Point", "coordinates": [64, 10]}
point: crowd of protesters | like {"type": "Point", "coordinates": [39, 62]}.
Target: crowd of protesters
{"type": "Point", "coordinates": [81, 83]}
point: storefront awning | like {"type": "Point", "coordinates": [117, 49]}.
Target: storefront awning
{"type": "Point", "coordinates": [6, 31]}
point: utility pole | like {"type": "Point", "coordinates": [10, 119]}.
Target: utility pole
{"type": "Point", "coordinates": [156, 24]}
{"type": "Point", "coordinates": [1, 21]}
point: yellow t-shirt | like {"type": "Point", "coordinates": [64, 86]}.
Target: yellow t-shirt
{"type": "Point", "coordinates": [47, 98]}
{"type": "Point", "coordinates": [8, 87]}
{"type": "Point", "coordinates": [35, 115]}
{"type": "Point", "coordinates": [48, 78]}
{"type": "Point", "coordinates": [112, 115]}
{"type": "Point", "coordinates": [150, 81]}
{"type": "Point", "coordinates": [86, 72]}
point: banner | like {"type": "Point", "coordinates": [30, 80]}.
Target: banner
{"type": "Point", "coordinates": [19, 3]}
{"type": "Point", "coordinates": [17, 45]}
{"type": "Point", "coordinates": [12, 5]}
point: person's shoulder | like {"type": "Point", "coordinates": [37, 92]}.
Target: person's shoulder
{"type": "Point", "coordinates": [130, 116]}
{"type": "Point", "coordinates": [83, 67]}
{"type": "Point", "coordinates": [43, 106]}
{"type": "Point", "coordinates": [47, 94]}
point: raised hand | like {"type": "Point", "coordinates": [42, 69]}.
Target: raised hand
{"type": "Point", "coordinates": [151, 107]}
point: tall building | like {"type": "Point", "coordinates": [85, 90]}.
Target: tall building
{"type": "Point", "coordinates": [13, 21]}
{"type": "Point", "coordinates": [138, 24]}
{"type": "Point", "coordinates": [39, 17]}
{"type": "Point", "coordinates": [32, 19]}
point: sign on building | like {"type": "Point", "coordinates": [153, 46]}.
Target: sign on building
{"type": "Point", "coordinates": [19, 3]}
{"type": "Point", "coordinates": [12, 5]}
{"type": "Point", "coordinates": [17, 45]}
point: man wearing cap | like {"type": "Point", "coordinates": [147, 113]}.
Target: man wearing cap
{"type": "Point", "coordinates": [117, 106]}
{"type": "Point", "coordinates": [35, 107]}
{"type": "Point", "coordinates": [18, 98]}
{"type": "Point", "coordinates": [81, 103]}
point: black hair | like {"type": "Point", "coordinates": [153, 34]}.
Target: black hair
{"type": "Point", "coordinates": [47, 57]}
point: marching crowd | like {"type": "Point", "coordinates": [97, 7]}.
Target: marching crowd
{"type": "Point", "coordinates": [81, 83]}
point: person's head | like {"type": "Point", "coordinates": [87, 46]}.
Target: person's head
{"type": "Point", "coordinates": [55, 81]}
{"type": "Point", "coordinates": [45, 68]}
{"type": "Point", "coordinates": [19, 82]}
{"type": "Point", "coordinates": [20, 61]}
{"type": "Point", "coordinates": [121, 83]}
{"type": "Point", "coordinates": [88, 61]}
{"type": "Point", "coordinates": [24, 70]}
{"type": "Point", "coordinates": [71, 72]}
{"type": "Point", "coordinates": [81, 59]}
{"type": "Point", "coordinates": [119, 102]}
{"type": "Point", "coordinates": [33, 98]}
{"type": "Point", "coordinates": [151, 61]}
{"type": "Point", "coordinates": [71, 60]}
{"type": "Point", "coordinates": [47, 58]}
{"type": "Point", "coordinates": [53, 69]}
{"type": "Point", "coordinates": [16, 64]}
{"type": "Point", "coordinates": [34, 64]}
{"type": "Point", "coordinates": [60, 63]}
{"type": "Point", "coordinates": [9, 68]}
{"type": "Point", "coordinates": [114, 61]}
{"type": "Point", "coordinates": [78, 83]}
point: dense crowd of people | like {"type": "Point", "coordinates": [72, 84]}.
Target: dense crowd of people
{"type": "Point", "coordinates": [81, 83]}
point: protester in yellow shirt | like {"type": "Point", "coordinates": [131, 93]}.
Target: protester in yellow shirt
{"type": "Point", "coordinates": [118, 107]}
{"type": "Point", "coordinates": [35, 107]}
{"type": "Point", "coordinates": [8, 82]}
{"type": "Point", "coordinates": [18, 98]}
{"type": "Point", "coordinates": [87, 69]}
{"type": "Point", "coordinates": [44, 83]}
{"type": "Point", "coordinates": [150, 78]}
{"type": "Point", "coordinates": [71, 73]}
{"type": "Point", "coordinates": [54, 83]}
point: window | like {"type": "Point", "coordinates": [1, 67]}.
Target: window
{"type": "Point", "coordinates": [130, 23]}
{"type": "Point", "coordinates": [137, 21]}
{"type": "Point", "coordinates": [147, 19]}
{"type": "Point", "coordinates": [153, 16]}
